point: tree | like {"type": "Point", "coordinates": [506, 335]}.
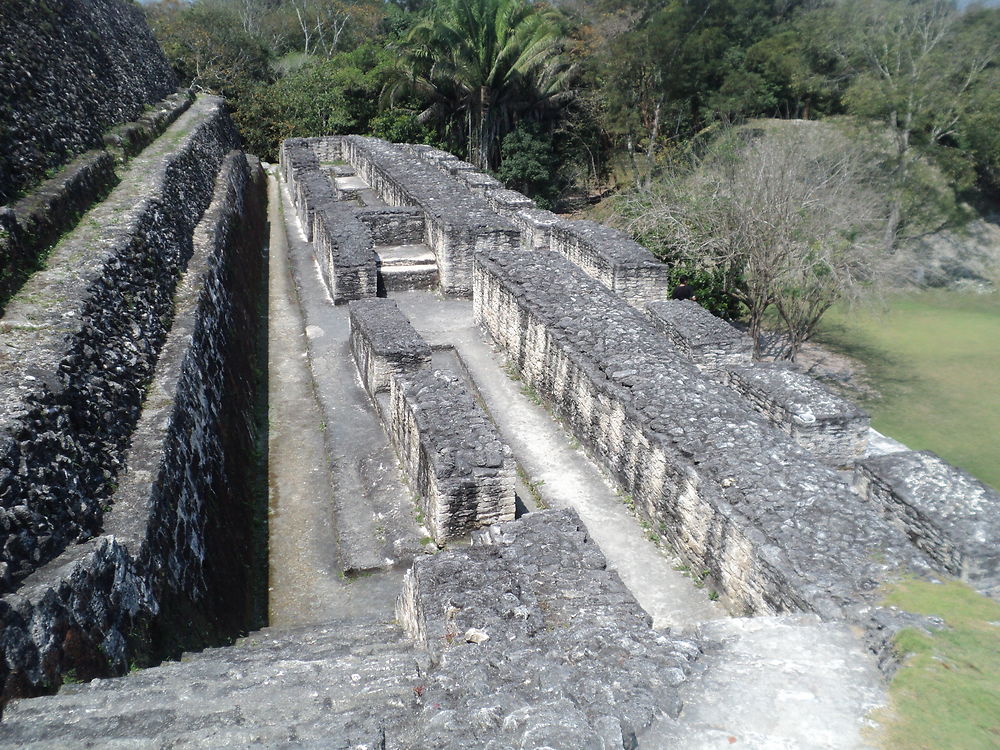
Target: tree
{"type": "Point", "coordinates": [780, 214]}
{"type": "Point", "coordinates": [913, 67]}
{"type": "Point", "coordinates": [482, 66]}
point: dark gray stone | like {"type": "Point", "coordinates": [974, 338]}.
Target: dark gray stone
{"type": "Point", "coordinates": [69, 70]}
{"type": "Point", "coordinates": [178, 536]}
{"type": "Point", "coordinates": [81, 338]}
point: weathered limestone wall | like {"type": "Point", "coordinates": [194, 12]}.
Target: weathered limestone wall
{"type": "Point", "coordinates": [69, 70]}
{"type": "Point", "coordinates": [384, 343]}
{"type": "Point", "coordinates": [342, 244]}
{"type": "Point", "coordinates": [81, 338]}
{"type": "Point", "coordinates": [530, 620]}
{"type": "Point", "coordinates": [396, 225]}
{"type": "Point", "coordinates": [706, 340]}
{"type": "Point", "coordinates": [776, 531]}
{"type": "Point", "coordinates": [620, 263]}
{"type": "Point", "coordinates": [172, 560]}
{"type": "Point", "coordinates": [828, 426]}
{"type": "Point", "coordinates": [457, 223]}
{"type": "Point", "coordinates": [950, 515]}
{"type": "Point", "coordinates": [460, 466]}
{"type": "Point", "coordinates": [31, 224]}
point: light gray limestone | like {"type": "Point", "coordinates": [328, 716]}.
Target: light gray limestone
{"type": "Point", "coordinates": [384, 343]}
{"type": "Point", "coordinates": [708, 341]}
{"type": "Point", "coordinates": [947, 513]}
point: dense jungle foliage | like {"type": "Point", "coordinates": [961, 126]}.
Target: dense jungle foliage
{"type": "Point", "coordinates": [668, 105]}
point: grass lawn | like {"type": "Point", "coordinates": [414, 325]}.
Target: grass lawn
{"type": "Point", "coordinates": [935, 358]}
{"type": "Point", "coordinates": [947, 694]}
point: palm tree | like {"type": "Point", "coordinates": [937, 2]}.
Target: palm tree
{"type": "Point", "coordinates": [483, 65]}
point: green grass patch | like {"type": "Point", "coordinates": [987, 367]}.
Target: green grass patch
{"type": "Point", "coordinates": [934, 358]}
{"type": "Point", "coordinates": [947, 693]}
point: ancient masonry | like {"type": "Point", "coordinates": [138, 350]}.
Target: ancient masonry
{"type": "Point", "coordinates": [130, 393]}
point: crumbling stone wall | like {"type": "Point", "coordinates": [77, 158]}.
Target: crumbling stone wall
{"type": "Point", "coordinates": [82, 337]}
{"type": "Point", "coordinates": [173, 555]}
{"type": "Point", "coordinates": [384, 343]}
{"type": "Point", "coordinates": [342, 244]}
{"type": "Point", "coordinates": [32, 224]}
{"type": "Point", "coordinates": [776, 531]}
{"type": "Point", "coordinates": [461, 468]}
{"type": "Point", "coordinates": [828, 426]}
{"type": "Point", "coordinates": [706, 340]}
{"type": "Point", "coordinates": [69, 70]}
{"type": "Point", "coordinates": [457, 222]}
{"type": "Point", "coordinates": [947, 513]}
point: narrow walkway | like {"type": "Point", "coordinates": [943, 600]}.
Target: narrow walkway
{"type": "Point", "coordinates": [560, 472]}
{"type": "Point", "coordinates": [305, 584]}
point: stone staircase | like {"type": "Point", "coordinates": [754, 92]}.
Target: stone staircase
{"type": "Point", "coordinates": [330, 686]}
{"type": "Point", "coordinates": [406, 267]}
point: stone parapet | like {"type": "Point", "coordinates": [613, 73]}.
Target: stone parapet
{"type": "Point", "coordinates": [528, 616]}
{"type": "Point", "coordinates": [774, 529]}
{"type": "Point", "coordinates": [384, 343]}
{"type": "Point", "coordinates": [177, 535]}
{"type": "Point", "coordinates": [81, 338]}
{"type": "Point", "coordinates": [342, 244]}
{"type": "Point", "coordinates": [458, 223]}
{"type": "Point", "coordinates": [828, 426]}
{"type": "Point", "coordinates": [451, 452]}
{"type": "Point", "coordinates": [950, 515]}
{"type": "Point", "coordinates": [614, 259]}
{"type": "Point", "coordinates": [707, 340]}
{"type": "Point", "coordinates": [395, 225]}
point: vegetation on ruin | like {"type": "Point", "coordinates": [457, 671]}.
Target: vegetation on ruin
{"type": "Point", "coordinates": [931, 358]}
{"type": "Point", "coordinates": [947, 692]}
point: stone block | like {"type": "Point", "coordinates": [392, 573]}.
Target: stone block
{"type": "Point", "coordinates": [384, 343]}
{"type": "Point", "coordinates": [947, 513]}
{"type": "Point", "coordinates": [708, 341]}
{"type": "Point", "coordinates": [614, 259]}
{"type": "Point", "coordinates": [454, 458]}
{"type": "Point", "coordinates": [825, 424]}
{"type": "Point", "coordinates": [396, 225]}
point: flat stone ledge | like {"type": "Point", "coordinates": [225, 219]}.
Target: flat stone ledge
{"type": "Point", "coordinates": [384, 343]}
{"type": "Point", "coordinates": [830, 427]}
{"type": "Point", "coordinates": [530, 623]}
{"type": "Point", "coordinates": [709, 341]}
{"type": "Point", "coordinates": [949, 514]}
{"type": "Point", "coordinates": [455, 459]}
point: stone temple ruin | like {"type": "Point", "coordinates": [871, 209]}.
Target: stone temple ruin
{"type": "Point", "coordinates": [517, 497]}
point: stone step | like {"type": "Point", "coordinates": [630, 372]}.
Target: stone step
{"type": "Point", "coordinates": [404, 255]}
{"type": "Point", "coordinates": [330, 685]}
{"type": "Point", "coordinates": [408, 278]}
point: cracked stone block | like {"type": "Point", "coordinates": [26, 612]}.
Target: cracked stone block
{"type": "Point", "coordinates": [384, 343]}
{"type": "Point", "coordinates": [453, 455]}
